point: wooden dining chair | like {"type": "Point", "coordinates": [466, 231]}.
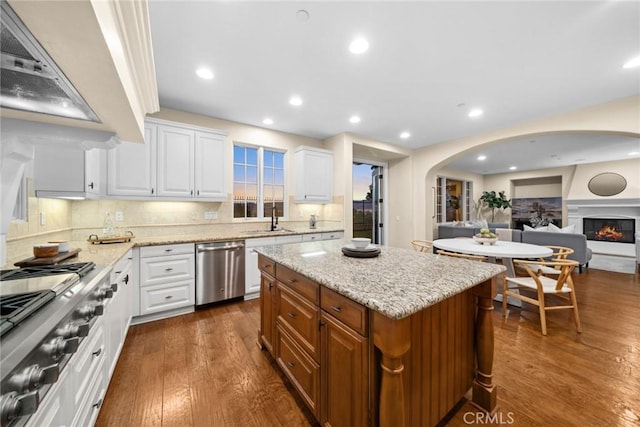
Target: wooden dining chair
{"type": "Point", "coordinates": [560, 286]}
{"type": "Point", "coordinates": [422, 245]}
{"type": "Point", "coordinates": [559, 253]}
{"type": "Point", "coordinates": [465, 256]}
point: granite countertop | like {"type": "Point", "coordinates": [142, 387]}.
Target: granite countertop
{"type": "Point", "coordinates": [108, 254]}
{"type": "Point", "coordinates": [397, 283]}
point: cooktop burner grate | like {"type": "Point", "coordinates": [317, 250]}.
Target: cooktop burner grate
{"type": "Point", "coordinates": [81, 268]}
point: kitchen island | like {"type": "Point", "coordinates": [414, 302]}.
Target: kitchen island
{"type": "Point", "coordinates": [394, 340]}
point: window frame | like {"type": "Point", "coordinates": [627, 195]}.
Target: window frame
{"type": "Point", "coordinates": [260, 214]}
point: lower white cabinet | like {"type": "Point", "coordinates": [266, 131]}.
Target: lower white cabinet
{"type": "Point", "coordinates": [251, 271]}
{"type": "Point", "coordinates": [167, 296]}
{"type": "Point", "coordinates": [167, 278]}
{"type": "Point", "coordinates": [119, 309]}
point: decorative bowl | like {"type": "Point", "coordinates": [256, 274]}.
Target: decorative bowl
{"type": "Point", "coordinates": [485, 240]}
{"type": "Point", "coordinates": [45, 250]}
{"type": "Point", "coordinates": [360, 242]}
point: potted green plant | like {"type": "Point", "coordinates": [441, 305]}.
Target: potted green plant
{"type": "Point", "coordinates": [495, 201]}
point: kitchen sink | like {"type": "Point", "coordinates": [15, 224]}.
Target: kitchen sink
{"type": "Point", "coordinates": [279, 230]}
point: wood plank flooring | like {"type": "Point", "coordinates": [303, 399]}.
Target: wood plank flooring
{"type": "Point", "coordinates": [205, 369]}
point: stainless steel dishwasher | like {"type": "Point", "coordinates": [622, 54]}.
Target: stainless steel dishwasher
{"type": "Point", "coordinates": [219, 271]}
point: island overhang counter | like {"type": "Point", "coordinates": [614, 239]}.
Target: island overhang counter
{"type": "Point", "coordinates": [398, 339]}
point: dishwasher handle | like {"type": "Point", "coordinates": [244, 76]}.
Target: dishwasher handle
{"type": "Point", "coordinates": [220, 248]}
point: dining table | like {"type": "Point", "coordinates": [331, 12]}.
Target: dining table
{"type": "Point", "coordinates": [501, 249]}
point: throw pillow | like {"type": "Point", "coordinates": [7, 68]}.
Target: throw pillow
{"type": "Point", "coordinates": [543, 228]}
{"type": "Point", "coordinates": [568, 229]}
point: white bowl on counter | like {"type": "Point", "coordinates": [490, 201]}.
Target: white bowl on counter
{"type": "Point", "coordinates": [360, 242]}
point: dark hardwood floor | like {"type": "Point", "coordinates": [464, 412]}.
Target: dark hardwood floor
{"type": "Point", "coordinates": [205, 369]}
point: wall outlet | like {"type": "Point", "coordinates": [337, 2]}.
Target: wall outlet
{"type": "Point", "coordinates": [119, 216]}
{"type": "Point", "coordinates": [43, 218]}
{"type": "Point", "coordinates": [211, 215]}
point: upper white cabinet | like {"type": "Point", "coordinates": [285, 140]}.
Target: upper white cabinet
{"type": "Point", "coordinates": [210, 166]}
{"type": "Point", "coordinates": [66, 172]}
{"type": "Point", "coordinates": [179, 162]}
{"type": "Point", "coordinates": [314, 175]}
{"type": "Point", "coordinates": [175, 161]}
{"type": "Point", "coordinates": [132, 167]}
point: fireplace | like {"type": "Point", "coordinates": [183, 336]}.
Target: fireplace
{"type": "Point", "coordinates": [619, 230]}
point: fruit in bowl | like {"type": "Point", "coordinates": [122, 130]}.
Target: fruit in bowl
{"type": "Point", "coordinates": [485, 237]}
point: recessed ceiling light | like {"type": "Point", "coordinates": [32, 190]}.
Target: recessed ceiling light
{"type": "Point", "coordinates": [634, 153]}
{"type": "Point", "coordinates": [476, 112]}
{"type": "Point", "coordinates": [512, 168]}
{"type": "Point", "coordinates": [405, 135]}
{"type": "Point", "coordinates": [302, 15]}
{"type": "Point", "coordinates": [482, 157]}
{"type": "Point", "coordinates": [295, 100]}
{"type": "Point", "coordinates": [632, 63]}
{"type": "Point", "coordinates": [204, 73]}
{"type": "Point", "coordinates": [354, 119]}
{"type": "Point", "coordinates": [359, 46]}
{"type": "Point", "coordinates": [267, 121]}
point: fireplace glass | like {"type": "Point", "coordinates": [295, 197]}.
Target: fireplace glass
{"type": "Point", "coordinates": [619, 230]}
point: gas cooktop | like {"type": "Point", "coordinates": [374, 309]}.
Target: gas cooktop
{"type": "Point", "coordinates": [23, 291]}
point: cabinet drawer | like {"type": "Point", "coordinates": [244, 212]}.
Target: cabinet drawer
{"type": "Point", "coordinates": [151, 251]}
{"type": "Point", "coordinates": [311, 237]}
{"type": "Point", "coordinates": [333, 235]}
{"type": "Point", "coordinates": [154, 299]}
{"type": "Point", "coordinates": [301, 370]}
{"type": "Point", "coordinates": [166, 269]}
{"type": "Point", "coordinates": [299, 283]}
{"type": "Point", "coordinates": [266, 265]}
{"type": "Point", "coordinates": [300, 318]}
{"type": "Point", "coordinates": [342, 308]}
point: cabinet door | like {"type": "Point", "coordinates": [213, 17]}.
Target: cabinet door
{"type": "Point", "coordinates": [251, 270]}
{"type": "Point", "coordinates": [314, 176]}
{"type": "Point", "coordinates": [210, 161]}
{"type": "Point", "coordinates": [345, 378]}
{"type": "Point", "coordinates": [92, 171]}
{"type": "Point", "coordinates": [66, 170]}
{"type": "Point", "coordinates": [132, 167]}
{"type": "Point", "coordinates": [267, 311]}
{"type": "Point", "coordinates": [175, 155]}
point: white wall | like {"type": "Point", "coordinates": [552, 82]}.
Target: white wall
{"type": "Point", "coordinates": [629, 169]}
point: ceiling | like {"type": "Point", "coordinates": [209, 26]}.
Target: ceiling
{"type": "Point", "coordinates": [428, 65]}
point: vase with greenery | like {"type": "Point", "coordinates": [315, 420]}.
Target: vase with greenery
{"type": "Point", "coordinates": [495, 201]}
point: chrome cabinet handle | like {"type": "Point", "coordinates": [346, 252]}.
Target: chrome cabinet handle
{"type": "Point", "coordinates": [168, 269]}
{"type": "Point", "coordinates": [97, 352]}
{"type": "Point", "coordinates": [336, 309]}
{"type": "Point", "coordinates": [97, 404]}
{"type": "Point", "coordinates": [291, 281]}
{"type": "Point", "coordinates": [168, 297]}
{"type": "Point", "coordinates": [168, 250]}
{"type": "Point", "coordinates": [291, 364]}
{"type": "Point", "coordinates": [291, 315]}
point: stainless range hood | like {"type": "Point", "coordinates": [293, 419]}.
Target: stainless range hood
{"type": "Point", "coordinates": [30, 79]}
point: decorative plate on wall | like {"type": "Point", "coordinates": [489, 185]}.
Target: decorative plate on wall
{"type": "Point", "coordinates": [607, 184]}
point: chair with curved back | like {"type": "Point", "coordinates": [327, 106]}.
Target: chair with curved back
{"type": "Point", "coordinates": [422, 245]}
{"type": "Point", "coordinates": [465, 256]}
{"type": "Point", "coordinates": [560, 286]}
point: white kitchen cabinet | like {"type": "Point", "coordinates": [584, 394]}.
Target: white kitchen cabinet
{"type": "Point", "coordinates": [314, 175]}
{"type": "Point", "coordinates": [175, 151]}
{"type": "Point", "coordinates": [167, 280]}
{"type": "Point", "coordinates": [118, 311]}
{"type": "Point", "coordinates": [251, 271]}
{"type": "Point", "coordinates": [131, 169]}
{"type": "Point", "coordinates": [332, 235]}
{"type": "Point", "coordinates": [67, 172]}
{"type": "Point", "coordinates": [177, 162]}
{"type": "Point", "coordinates": [210, 166]}
{"type": "Point", "coordinates": [313, 237]}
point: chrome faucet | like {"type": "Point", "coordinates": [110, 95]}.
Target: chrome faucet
{"type": "Point", "coordinates": [274, 219]}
